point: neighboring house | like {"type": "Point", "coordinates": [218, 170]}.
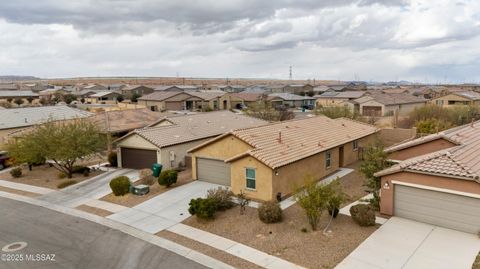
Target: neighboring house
{"type": "Point", "coordinates": [256, 89]}
{"type": "Point", "coordinates": [130, 90]}
{"type": "Point", "coordinates": [290, 100]}
{"type": "Point", "coordinates": [331, 98]}
{"type": "Point", "coordinates": [177, 88]}
{"type": "Point", "coordinates": [301, 89]}
{"type": "Point", "coordinates": [395, 90]}
{"type": "Point", "coordinates": [382, 104]}
{"type": "Point", "coordinates": [6, 96]}
{"type": "Point", "coordinates": [15, 120]}
{"type": "Point", "coordinates": [83, 94]}
{"type": "Point", "coordinates": [94, 87]}
{"type": "Point", "coordinates": [105, 97]}
{"type": "Point", "coordinates": [317, 90]}
{"type": "Point", "coordinates": [167, 141]}
{"type": "Point", "coordinates": [34, 87]}
{"type": "Point", "coordinates": [274, 88]}
{"type": "Point", "coordinates": [9, 87]}
{"type": "Point", "coordinates": [179, 100]}
{"type": "Point", "coordinates": [269, 161]}
{"type": "Point", "coordinates": [457, 98]}
{"type": "Point", "coordinates": [436, 180]}
{"type": "Point", "coordinates": [240, 100]}
{"type": "Point", "coordinates": [115, 87]}
{"type": "Point", "coordinates": [119, 122]}
{"type": "Point", "coordinates": [231, 88]}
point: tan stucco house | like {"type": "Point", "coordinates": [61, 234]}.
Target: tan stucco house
{"type": "Point", "coordinates": [167, 140]}
{"type": "Point", "coordinates": [181, 100]}
{"type": "Point", "coordinates": [457, 98]}
{"type": "Point", "coordinates": [272, 160]}
{"type": "Point", "coordinates": [383, 104]}
{"type": "Point", "coordinates": [436, 180]}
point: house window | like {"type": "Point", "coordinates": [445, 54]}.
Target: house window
{"type": "Point", "coordinates": [355, 145]}
{"type": "Point", "coordinates": [328, 159]}
{"type": "Point", "coordinates": [250, 175]}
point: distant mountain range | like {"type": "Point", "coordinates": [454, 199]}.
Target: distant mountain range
{"type": "Point", "coordinates": [17, 78]}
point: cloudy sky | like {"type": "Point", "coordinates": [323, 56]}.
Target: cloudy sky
{"type": "Point", "coordinates": [424, 41]}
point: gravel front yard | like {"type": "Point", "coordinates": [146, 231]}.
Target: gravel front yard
{"type": "Point", "coordinates": [285, 239]}
{"type": "Point", "coordinates": [209, 251]}
{"type": "Point", "coordinates": [44, 176]}
{"type": "Point", "coordinates": [353, 184]}
{"type": "Point", "coordinates": [130, 200]}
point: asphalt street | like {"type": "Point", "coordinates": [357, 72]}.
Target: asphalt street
{"type": "Point", "coordinates": [56, 240]}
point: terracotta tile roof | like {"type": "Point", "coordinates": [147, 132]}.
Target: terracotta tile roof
{"type": "Point", "coordinates": [159, 95]}
{"type": "Point", "coordinates": [207, 96]}
{"type": "Point", "coordinates": [468, 94]}
{"type": "Point", "coordinates": [283, 143]}
{"type": "Point", "coordinates": [392, 99]}
{"type": "Point", "coordinates": [459, 161]}
{"type": "Point", "coordinates": [248, 96]}
{"type": "Point", "coordinates": [196, 126]}
{"type": "Point", "coordinates": [346, 94]}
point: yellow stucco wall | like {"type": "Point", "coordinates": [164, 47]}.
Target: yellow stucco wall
{"type": "Point", "coordinates": [263, 183]}
{"type": "Point", "coordinates": [221, 149]}
{"type": "Point", "coordinates": [443, 101]}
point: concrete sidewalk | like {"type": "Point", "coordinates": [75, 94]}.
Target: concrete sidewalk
{"type": "Point", "coordinates": [402, 243]}
{"type": "Point", "coordinates": [88, 190]}
{"type": "Point", "coordinates": [25, 187]}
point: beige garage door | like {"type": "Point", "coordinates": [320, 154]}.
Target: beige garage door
{"type": "Point", "coordinates": [213, 171]}
{"type": "Point", "coordinates": [438, 208]}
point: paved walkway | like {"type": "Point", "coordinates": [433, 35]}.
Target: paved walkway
{"type": "Point", "coordinates": [236, 249]}
{"type": "Point", "coordinates": [164, 210]}
{"type": "Point", "coordinates": [87, 190]}
{"type": "Point", "coordinates": [402, 243]}
{"type": "Point", "coordinates": [291, 200]}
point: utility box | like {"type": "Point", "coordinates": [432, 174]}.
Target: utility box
{"type": "Point", "coordinates": [140, 189]}
{"type": "Point", "coordinates": [157, 169]}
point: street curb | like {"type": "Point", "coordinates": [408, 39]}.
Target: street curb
{"type": "Point", "coordinates": [153, 239]}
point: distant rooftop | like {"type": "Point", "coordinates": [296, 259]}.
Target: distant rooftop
{"type": "Point", "coordinates": [17, 94]}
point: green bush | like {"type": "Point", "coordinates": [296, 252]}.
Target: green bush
{"type": "Point", "coordinates": [112, 158]}
{"type": "Point", "coordinates": [79, 169]}
{"type": "Point", "coordinates": [120, 185]}
{"type": "Point", "coordinates": [61, 175]}
{"type": "Point", "coordinates": [167, 178]}
{"type": "Point", "coordinates": [202, 208]}
{"type": "Point", "coordinates": [270, 212]}
{"type": "Point", "coordinates": [16, 172]}
{"type": "Point", "coordinates": [222, 197]}
{"type": "Point", "coordinates": [363, 214]}
{"type": "Point", "coordinates": [66, 184]}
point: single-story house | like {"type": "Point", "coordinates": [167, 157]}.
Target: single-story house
{"type": "Point", "coordinates": [274, 88]}
{"type": "Point", "coordinates": [231, 88]}
{"type": "Point", "coordinates": [15, 120]}
{"type": "Point", "coordinates": [457, 98]}
{"type": "Point", "coordinates": [331, 98]}
{"type": "Point", "coordinates": [238, 100]}
{"type": "Point", "coordinates": [83, 93]}
{"type": "Point", "coordinates": [130, 90]}
{"type": "Point", "coordinates": [290, 100]}
{"type": "Point", "coordinates": [179, 100]}
{"type": "Point", "coordinates": [256, 89]}
{"type": "Point", "coordinates": [6, 96]}
{"type": "Point", "coordinates": [93, 87]}
{"type": "Point", "coordinates": [177, 88]}
{"type": "Point", "coordinates": [319, 89]}
{"type": "Point", "coordinates": [271, 160]}
{"type": "Point", "coordinates": [105, 97]}
{"type": "Point", "coordinates": [298, 88]}
{"type": "Point", "coordinates": [436, 179]}
{"type": "Point", "coordinates": [210, 100]}
{"type": "Point", "coordinates": [167, 140]}
{"type": "Point", "coordinates": [382, 104]}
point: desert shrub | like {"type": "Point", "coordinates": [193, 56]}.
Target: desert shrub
{"type": "Point", "coordinates": [61, 175]}
{"type": "Point", "coordinates": [222, 197]}
{"type": "Point", "coordinates": [430, 126]}
{"type": "Point", "coordinates": [79, 169]}
{"type": "Point", "coordinates": [145, 172]}
{"type": "Point", "coordinates": [16, 172]}
{"type": "Point", "coordinates": [270, 212]}
{"type": "Point", "coordinates": [167, 178]}
{"type": "Point", "coordinates": [66, 183]}
{"type": "Point", "coordinates": [112, 158]}
{"type": "Point", "coordinates": [243, 201]}
{"type": "Point", "coordinates": [86, 172]}
{"type": "Point", "coordinates": [363, 214]}
{"type": "Point", "coordinates": [203, 208]}
{"type": "Point", "coordinates": [304, 230]}
{"type": "Point", "coordinates": [146, 177]}
{"type": "Point", "coordinates": [120, 185]}
{"type": "Point", "coordinates": [334, 112]}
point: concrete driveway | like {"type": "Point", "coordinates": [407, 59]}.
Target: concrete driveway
{"type": "Point", "coordinates": [402, 243]}
{"type": "Point", "coordinates": [164, 210]}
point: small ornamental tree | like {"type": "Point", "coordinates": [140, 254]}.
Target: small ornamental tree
{"type": "Point", "coordinates": [135, 97]}
{"type": "Point", "coordinates": [69, 98]}
{"type": "Point", "coordinates": [120, 98]}
{"type": "Point", "coordinates": [374, 160]}
{"type": "Point", "coordinates": [30, 99]}
{"type": "Point", "coordinates": [312, 199]}
{"type": "Point", "coordinates": [167, 178]}
{"type": "Point", "coordinates": [63, 142]}
{"type": "Point", "coordinates": [18, 101]}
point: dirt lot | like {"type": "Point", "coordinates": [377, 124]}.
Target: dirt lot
{"type": "Point", "coordinates": [131, 200]}
{"type": "Point", "coordinates": [44, 176]}
{"type": "Point", "coordinates": [285, 239]}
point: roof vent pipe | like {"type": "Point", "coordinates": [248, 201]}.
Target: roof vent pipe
{"type": "Point", "coordinates": [280, 136]}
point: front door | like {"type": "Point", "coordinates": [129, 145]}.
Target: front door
{"type": "Point", "coordinates": [340, 156]}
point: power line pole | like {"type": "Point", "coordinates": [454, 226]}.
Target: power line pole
{"type": "Point", "coordinates": [290, 73]}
